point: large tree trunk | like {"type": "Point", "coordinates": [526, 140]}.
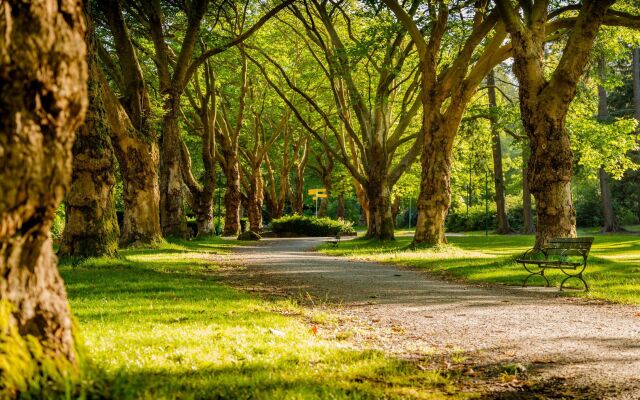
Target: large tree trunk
{"type": "Point", "coordinates": [340, 209]}
{"type": "Point", "coordinates": [255, 199]}
{"type": "Point", "coordinates": [544, 103]}
{"type": "Point", "coordinates": [608, 213]}
{"type": "Point", "coordinates": [435, 184]}
{"type": "Point", "coordinates": [91, 228]}
{"type": "Point", "coordinates": [43, 100]}
{"type": "Point", "coordinates": [379, 199]}
{"type": "Point", "coordinates": [133, 138]}
{"type": "Point", "coordinates": [395, 209]}
{"type": "Point", "coordinates": [232, 195]}
{"type": "Point", "coordinates": [549, 173]}
{"type": "Point", "coordinates": [501, 209]}
{"type": "Point", "coordinates": [173, 219]}
{"type": "Point", "coordinates": [528, 226]}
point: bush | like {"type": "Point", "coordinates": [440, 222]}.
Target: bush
{"type": "Point", "coordinates": [310, 226]}
{"type": "Point", "coordinates": [58, 223]}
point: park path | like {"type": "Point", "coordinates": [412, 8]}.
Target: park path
{"type": "Point", "coordinates": [595, 346]}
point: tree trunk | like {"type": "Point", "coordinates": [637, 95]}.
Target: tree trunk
{"type": "Point", "coordinates": [544, 103]}
{"type": "Point", "coordinates": [43, 100]}
{"type": "Point", "coordinates": [435, 185]}
{"type": "Point", "coordinates": [395, 209]}
{"type": "Point", "coordinates": [528, 226]}
{"type": "Point", "coordinates": [173, 219]}
{"type": "Point", "coordinates": [255, 199]}
{"type": "Point", "coordinates": [379, 200]}
{"type": "Point", "coordinates": [232, 195]}
{"type": "Point", "coordinates": [550, 171]}
{"type": "Point", "coordinates": [133, 138]}
{"type": "Point", "coordinates": [501, 209]}
{"type": "Point", "coordinates": [608, 213]}
{"type": "Point", "coordinates": [340, 209]}
{"type": "Point", "coordinates": [138, 161]}
{"type": "Point", "coordinates": [91, 228]}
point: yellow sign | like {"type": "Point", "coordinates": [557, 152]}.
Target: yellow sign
{"type": "Point", "coordinates": [322, 195]}
{"type": "Point", "coordinates": [317, 191]}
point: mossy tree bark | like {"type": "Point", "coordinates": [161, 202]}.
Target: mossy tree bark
{"type": "Point", "coordinates": [91, 228]}
{"type": "Point", "coordinates": [43, 100]}
{"type": "Point", "coordinates": [132, 135]}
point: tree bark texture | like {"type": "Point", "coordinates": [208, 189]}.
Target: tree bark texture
{"type": "Point", "coordinates": [496, 145]}
{"type": "Point", "coordinates": [340, 209]}
{"type": "Point", "coordinates": [137, 156]}
{"type": "Point", "coordinates": [43, 100]}
{"type": "Point", "coordinates": [232, 195]}
{"type": "Point", "coordinates": [173, 218]}
{"type": "Point", "coordinates": [132, 137]}
{"type": "Point", "coordinates": [379, 200]}
{"type": "Point", "coordinates": [91, 228]}
{"type": "Point", "coordinates": [435, 186]}
{"type": "Point", "coordinates": [255, 198]}
{"type": "Point", "coordinates": [528, 225]}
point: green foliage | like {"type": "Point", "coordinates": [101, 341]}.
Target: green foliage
{"type": "Point", "coordinates": [310, 226]}
{"type": "Point", "coordinates": [57, 226]}
{"type": "Point", "coordinates": [26, 369]}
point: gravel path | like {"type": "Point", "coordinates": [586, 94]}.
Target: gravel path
{"type": "Point", "coordinates": [580, 344]}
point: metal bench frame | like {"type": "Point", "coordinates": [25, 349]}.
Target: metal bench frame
{"type": "Point", "coordinates": [559, 249]}
{"type": "Point", "coordinates": [334, 242]}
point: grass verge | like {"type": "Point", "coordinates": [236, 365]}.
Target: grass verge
{"type": "Point", "coordinates": [613, 270]}
{"type": "Point", "coordinates": [158, 323]}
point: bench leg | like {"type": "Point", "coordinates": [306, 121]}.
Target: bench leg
{"type": "Point", "coordinates": [579, 276]}
{"type": "Point", "coordinates": [541, 273]}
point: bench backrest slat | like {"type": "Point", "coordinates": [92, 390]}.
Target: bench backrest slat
{"type": "Point", "coordinates": [569, 246]}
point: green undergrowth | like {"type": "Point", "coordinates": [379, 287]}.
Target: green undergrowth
{"type": "Point", "coordinates": [613, 271]}
{"type": "Point", "coordinates": [158, 323]}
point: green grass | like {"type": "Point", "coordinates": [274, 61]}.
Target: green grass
{"type": "Point", "coordinates": [613, 272]}
{"type": "Point", "coordinates": [158, 323]}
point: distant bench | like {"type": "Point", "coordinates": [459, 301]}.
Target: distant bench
{"type": "Point", "coordinates": [569, 255]}
{"type": "Point", "coordinates": [335, 241]}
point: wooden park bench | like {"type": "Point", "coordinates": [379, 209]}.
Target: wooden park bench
{"type": "Point", "coordinates": [569, 255]}
{"type": "Point", "coordinates": [335, 241]}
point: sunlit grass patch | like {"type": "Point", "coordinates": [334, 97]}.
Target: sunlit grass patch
{"type": "Point", "coordinates": [157, 323]}
{"type": "Point", "coordinates": [613, 271]}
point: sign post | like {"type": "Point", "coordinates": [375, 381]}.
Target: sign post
{"type": "Point", "coordinates": [318, 194]}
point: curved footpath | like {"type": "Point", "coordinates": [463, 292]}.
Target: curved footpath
{"type": "Point", "coordinates": [572, 342]}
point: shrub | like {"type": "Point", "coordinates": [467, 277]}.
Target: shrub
{"type": "Point", "coordinates": [310, 226]}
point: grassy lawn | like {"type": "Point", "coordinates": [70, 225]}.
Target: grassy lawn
{"type": "Point", "coordinates": [613, 272]}
{"type": "Point", "coordinates": [158, 323]}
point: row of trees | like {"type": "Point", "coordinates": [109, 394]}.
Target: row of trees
{"type": "Point", "coordinates": [358, 90]}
